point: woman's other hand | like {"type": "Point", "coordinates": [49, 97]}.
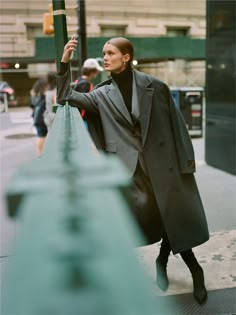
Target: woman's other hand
{"type": "Point", "coordinates": [69, 49]}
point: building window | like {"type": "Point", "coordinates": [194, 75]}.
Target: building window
{"type": "Point", "coordinates": [111, 30]}
{"type": "Point", "coordinates": [34, 30]}
{"type": "Point", "coordinates": [177, 31]}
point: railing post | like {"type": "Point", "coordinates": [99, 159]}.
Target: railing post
{"type": "Point", "coordinates": [60, 29]}
{"type": "Point", "coordinates": [82, 33]}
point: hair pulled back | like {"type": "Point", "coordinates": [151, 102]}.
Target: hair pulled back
{"type": "Point", "coordinates": [125, 47]}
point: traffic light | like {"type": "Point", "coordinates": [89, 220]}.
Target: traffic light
{"type": "Point", "coordinates": [48, 27]}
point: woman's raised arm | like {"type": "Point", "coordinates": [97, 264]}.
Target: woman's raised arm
{"type": "Point", "coordinates": [69, 50]}
{"type": "Point", "coordinates": [65, 92]}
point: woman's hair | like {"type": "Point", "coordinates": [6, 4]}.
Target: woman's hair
{"type": "Point", "coordinates": [124, 46]}
{"type": "Point", "coordinates": [51, 77]}
{"type": "Point", "coordinates": [39, 86]}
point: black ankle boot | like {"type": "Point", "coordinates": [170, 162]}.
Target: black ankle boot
{"type": "Point", "coordinates": [161, 278]}
{"type": "Point", "coordinates": [200, 292]}
{"type": "Point", "coordinates": [161, 265]}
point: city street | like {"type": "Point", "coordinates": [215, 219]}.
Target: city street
{"type": "Point", "coordinates": [217, 189]}
{"type": "Point", "coordinates": [17, 143]}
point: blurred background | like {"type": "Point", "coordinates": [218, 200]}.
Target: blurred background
{"type": "Point", "coordinates": [169, 38]}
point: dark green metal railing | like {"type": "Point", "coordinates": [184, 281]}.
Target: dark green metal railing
{"type": "Point", "coordinates": [74, 253]}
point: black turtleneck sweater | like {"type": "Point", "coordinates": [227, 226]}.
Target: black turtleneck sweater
{"type": "Point", "coordinates": [124, 80]}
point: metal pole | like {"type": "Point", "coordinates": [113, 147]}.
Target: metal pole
{"type": "Point", "coordinates": [5, 102]}
{"type": "Point", "coordinates": [82, 33]}
{"type": "Point", "coordinates": [60, 28]}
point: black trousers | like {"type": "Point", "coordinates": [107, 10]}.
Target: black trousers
{"type": "Point", "coordinates": [187, 255]}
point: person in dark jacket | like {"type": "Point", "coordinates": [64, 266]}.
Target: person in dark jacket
{"type": "Point", "coordinates": [140, 123]}
{"type": "Point", "coordinates": [90, 70]}
{"type": "Point", "coordinates": [38, 104]}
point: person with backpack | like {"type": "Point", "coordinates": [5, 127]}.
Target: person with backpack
{"type": "Point", "coordinates": [38, 104]}
{"type": "Point", "coordinates": [90, 70]}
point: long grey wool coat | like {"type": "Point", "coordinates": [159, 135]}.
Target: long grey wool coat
{"type": "Point", "coordinates": [165, 147]}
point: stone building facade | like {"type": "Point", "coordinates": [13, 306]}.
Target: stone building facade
{"type": "Point", "coordinates": [21, 22]}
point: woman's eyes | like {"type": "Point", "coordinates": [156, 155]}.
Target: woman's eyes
{"type": "Point", "coordinates": [108, 53]}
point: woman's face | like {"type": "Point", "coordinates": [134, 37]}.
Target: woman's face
{"type": "Point", "coordinates": [114, 60]}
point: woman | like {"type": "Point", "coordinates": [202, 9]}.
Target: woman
{"type": "Point", "coordinates": [50, 96]}
{"type": "Point", "coordinates": [141, 124]}
{"type": "Point", "coordinates": [37, 103]}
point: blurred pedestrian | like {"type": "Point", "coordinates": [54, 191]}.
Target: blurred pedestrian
{"type": "Point", "coordinates": [50, 97]}
{"type": "Point", "coordinates": [38, 104]}
{"type": "Point", "coordinates": [143, 126]}
{"type": "Point", "coordinates": [90, 70]}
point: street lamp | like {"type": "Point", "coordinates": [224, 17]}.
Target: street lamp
{"type": "Point", "coordinates": [17, 65]}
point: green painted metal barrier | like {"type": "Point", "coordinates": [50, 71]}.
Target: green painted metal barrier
{"type": "Point", "coordinates": [74, 253]}
{"type": "Point", "coordinates": [145, 48]}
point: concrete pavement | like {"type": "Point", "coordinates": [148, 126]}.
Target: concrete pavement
{"type": "Point", "coordinates": [17, 146]}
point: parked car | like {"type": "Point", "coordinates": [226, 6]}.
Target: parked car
{"type": "Point", "coordinates": [7, 96]}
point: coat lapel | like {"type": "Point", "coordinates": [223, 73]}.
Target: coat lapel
{"type": "Point", "coordinates": [145, 95]}
{"type": "Point", "coordinates": [135, 102]}
{"type": "Point", "coordinates": [117, 100]}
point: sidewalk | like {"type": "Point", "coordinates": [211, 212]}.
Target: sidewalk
{"type": "Point", "coordinates": [17, 146]}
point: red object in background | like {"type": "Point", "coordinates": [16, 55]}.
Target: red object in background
{"type": "Point", "coordinates": [4, 65]}
{"type": "Point", "coordinates": [196, 113]}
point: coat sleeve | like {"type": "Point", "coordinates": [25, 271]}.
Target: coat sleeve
{"type": "Point", "coordinates": [65, 93]}
{"type": "Point", "coordinates": [182, 139]}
